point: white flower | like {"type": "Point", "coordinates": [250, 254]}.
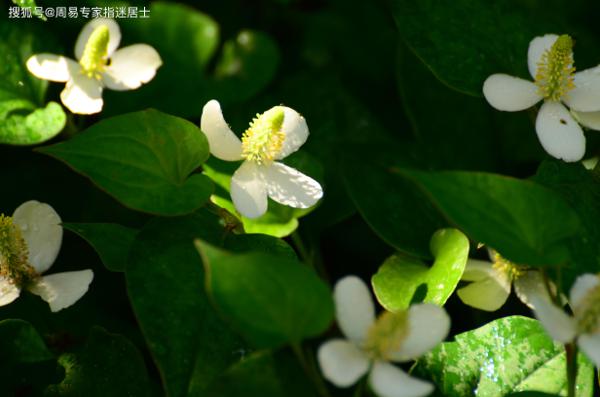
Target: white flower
{"type": "Point", "coordinates": [372, 343]}
{"type": "Point", "coordinates": [491, 283]}
{"type": "Point", "coordinates": [273, 135]}
{"type": "Point", "coordinates": [29, 244]}
{"type": "Point", "coordinates": [550, 62]}
{"type": "Point", "coordinates": [583, 325]}
{"type": "Point", "coordinates": [99, 65]}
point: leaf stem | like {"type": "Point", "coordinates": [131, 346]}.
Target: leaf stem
{"type": "Point", "coordinates": [571, 352]}
{"type": "Point", "coordinates": [310, 370]}
{"type": "Point", "coordinates": [306, 256]}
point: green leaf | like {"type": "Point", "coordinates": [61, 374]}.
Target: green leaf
{"type": "Point", "coordinates": [526, 222]}
{"type": "Point", "coordinates": [165, 281]}
{"type": "Point", "coordinates": [108, 365]}
{"type": "Point", "coordinates": [581, 189]}
{"type": "Point", "coordinates": [272, 300]}
{"type": "Point", "coordinates": [449, 132]}
{"type": "Point", "coordinates": [440, 32]}
{"type": "Point", "coordinates": [263, 374]}
{"type": "Point", "coordinates": [390, 203]}
{"type": "Point", "coordinates": [397, 280]}
{"type": "Point", "coordinates": [26, 361]}
{"type": "Point", "coordinates": [112, 242]}
{"type": "Point", "coordinates": [146, 160]}
{"type": "Point", "coordinates": [507, 355]}
{"type": "Point", "coordinates": [21, 343]}
{"type": "Point", "coordinates": [532, 394]}
{"type": "Point", "coordinates": [25, 119]}
{"type": "Point", "coordinates": [190, 344]}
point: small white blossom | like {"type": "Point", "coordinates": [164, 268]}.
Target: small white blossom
{"type": "Point", "coordinates": [584, 325]}
{"type": "Point", "coordinates": [491, 283]}
{"type": "Point", "coordinates": [550, 62]}
{"type": "Point", "coordinates": [29, 244]}
{"type": "Point", "coordinates": [372, 343]}
{"type": "Point", "coordinates": [99, 65]}
{"type": "Point", "coordinates": [273, 135]}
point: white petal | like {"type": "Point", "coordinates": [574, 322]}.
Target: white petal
{"type": "Point", "coordinates": [61, 290]}
{"type": "Point", "coordinates": [8, 291]}
{"type": "Point", "coordinates": [289, 186]}
{"type": "Point", "coordinates": [477, 270]}
{"type": "Point", "coordinates": [531, 283]}
{"type": "Point", "coordinates": [131, 66]}
{"type": "Point", "coordinates": [559, 133]}
{"type": "Point", "coordinates": [248, 191]}
{"type": "Point", "coordinates": [82, 94]}
{"type": "Point", "coordinates": [113, 40]}
{"type": "Point", "coordinates": [590, 345]}
{"type": "Point", "coordinates": [537, 47]}
{"type": "Point", "coordinates": [581, 287]}
{"type": "Point", "coordinates": [488, 293]}
{"type": "Point", "coordinates": [341, 362]}
{"type": "Point", "coordinates": [428, 326]}
{"type": "Point", "coordinates": [558, 324]}
{"type": "Point", "coordinates": [296, 132]}
{"type": "Point", "coordinates": [42, 231]}
{"type": "Point", "coordinates": [585, 97]}
{"type": "Point", "coordinates": [50, 67]}
{"type": "Point", "coordinates": [354, 308]}
{"type": "Point", "coordinates": [389, 381]}
{"type": "Point", "coordinates": [510, 93]}
{"type": "Point", "coordinates": [223, 143]}
{"type": "Point", "coordinates": [590, 120]}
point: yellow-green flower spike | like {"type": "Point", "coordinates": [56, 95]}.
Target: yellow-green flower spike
{"type": "Point", "coordinates": [588, 312]}
{"type": "Point", "coordinates": [554, 75]}
{"type": "Point", "coordinates": [14, 261]}
{"type": "Point", "coordinates": [263, 140]}
{"type": "Point", "coordinates": [386, 335]}
{"type": "Point", "coordinates": [507, 267]}
{"type": "Point", "coordinates": [94, 58]}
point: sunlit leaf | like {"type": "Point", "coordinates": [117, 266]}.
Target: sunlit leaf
{"type": "Point", "coordinates": [400, 277]}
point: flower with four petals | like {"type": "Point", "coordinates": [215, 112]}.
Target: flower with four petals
{"type": "Point", "coordinates": [272, 136]}
{"type": "Point", "coordinates": [550, 63]}
{"type": "Point", "coordinates": [371, 343]}
{"type": "Point", "coordinates": [99, 65]}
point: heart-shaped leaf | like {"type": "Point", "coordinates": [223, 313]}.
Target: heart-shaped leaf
{"type": "Point", "coordinates": [146, 160]}
{"type": "Point", "coordinates": [272, 300]}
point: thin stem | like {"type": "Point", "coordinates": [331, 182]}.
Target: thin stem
{"type": "Point", "coordinates": [311, 371]}
{"type": "Point", "coordinates": [571, 352]}
{"type": "Point", "coordinates": [299, 244]}
{"type": "Point", "coordinates": [307, 257]}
